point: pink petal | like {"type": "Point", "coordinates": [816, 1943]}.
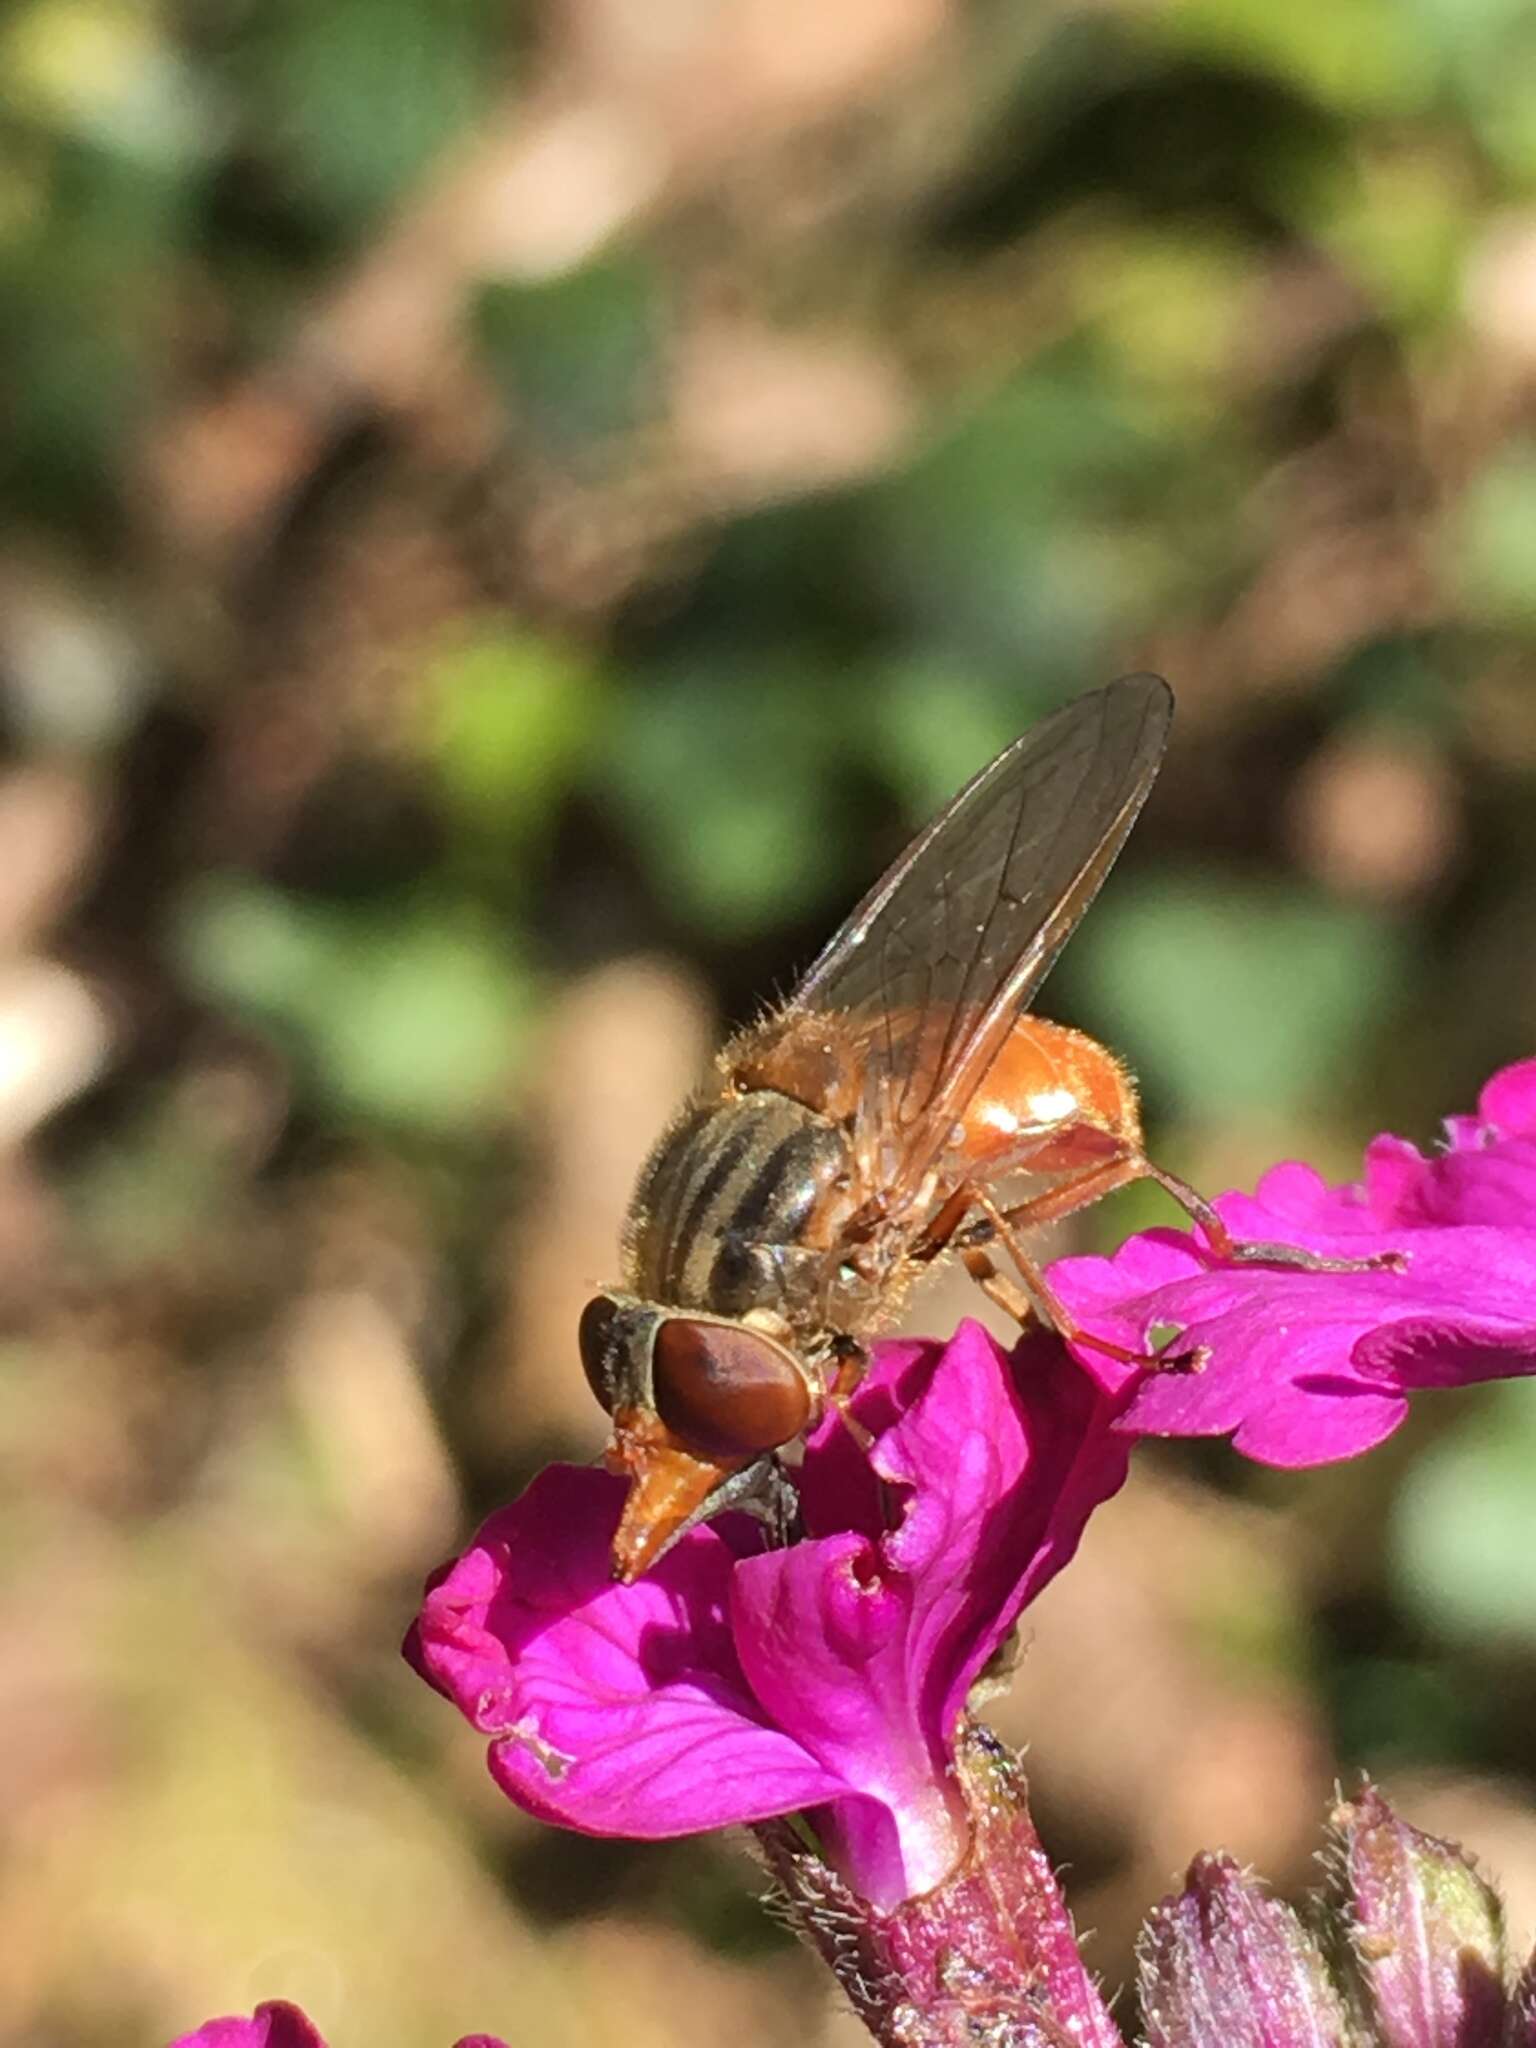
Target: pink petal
{"type": "Point", "coordinates": [1006, 1456]}
{"type": "Point", "coordinates": [839, 1487]}
{"type": "Point", "coordinates": [865, 1650]}
{"type": "Point", "coordinates": [1306, 1367]}
{"type": "Point", "coordinates": [823, 1632]}
{"type": "Point", "coordinates": [273, 2025]}
{"type": "Point", "coordinates": [279, 2025]}
{"type": "Point", "coordinates": [1491, 1183]}
{"type": "Point", "coordinates": [1487, 1174]}
{"type": "Point", "coordinates": [615, 1710]}
{"type": "Point", "coordinates": [1279, 1379]}
{"type": "Point", "coordinates": [1507, 1104]}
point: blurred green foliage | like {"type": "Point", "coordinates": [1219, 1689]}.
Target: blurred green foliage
{"type": "Point", "coordinates": [509, 721]}
{"type": "Point", "coordinates": [1464, 1526]}
{"type": "Point", "coordinates": [350, 101]}
{"type": "Point", "coordinates": [574, 355]}
{"type": "Point", "coordinates": [485, 493]}
{"type": "Point", "coordinates": [412, 1018]}
{"type": "Point", "coordinates": [1241, 991]}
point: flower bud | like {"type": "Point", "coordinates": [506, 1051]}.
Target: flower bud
{"type": "Point", "coordinates": [1223, 1965]}
{"type": "Point", "coordinates": [1428, 1932]}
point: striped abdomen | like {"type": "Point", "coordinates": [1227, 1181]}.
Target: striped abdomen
{"type": "Point", "coordinates": [728, 1204]}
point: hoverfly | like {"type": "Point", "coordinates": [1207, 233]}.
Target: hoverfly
{"type": "Point", "coordinates": [861, 1130]}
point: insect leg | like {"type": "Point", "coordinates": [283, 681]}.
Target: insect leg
{"type": "Point", "coordinates": [1075, 1192]}
{"type": "Point", "coordinates": [1079, 1189]}
{"type": "Point", "coordinates": [850, 1362]}
{"type": "Point", "coordinates": [943, 1225]}
{"type": "Point", "coordinates": [1041, 1295]}
{"type": "Point", "coordinates": [995, 1224]}
{"type": "Point", "coordinates": [1008, 1294]}
{"type": "Point", "coordinates": [1241, 1252]}
{"type": "Point", "coordinates": [944, 1233]}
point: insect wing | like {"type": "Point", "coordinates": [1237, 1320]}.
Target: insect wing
{"type": "Point", "coordinates": [951, 944]}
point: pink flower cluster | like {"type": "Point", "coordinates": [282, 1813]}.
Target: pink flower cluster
{"type": "Point", "coordinates": [734, 1683]}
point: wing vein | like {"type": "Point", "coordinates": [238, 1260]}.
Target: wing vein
{"type": "Point", "coordinates": [940, 958]}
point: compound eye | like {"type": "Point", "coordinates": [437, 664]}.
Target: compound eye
{"type": "Point", "coordinates": [727, 1390]}
{"type": "Point", "coordinates": [595, 1339]}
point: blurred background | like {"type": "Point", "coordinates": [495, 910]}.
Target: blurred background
{"type": "Point", "coordinates": [508, 517]}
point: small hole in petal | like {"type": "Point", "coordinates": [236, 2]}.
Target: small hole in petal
{"type": "Point", "coordinates": [865, 1570]}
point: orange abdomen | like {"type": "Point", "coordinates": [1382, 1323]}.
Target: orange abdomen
{"type": "Point", "coordinates": [1052, 1100]}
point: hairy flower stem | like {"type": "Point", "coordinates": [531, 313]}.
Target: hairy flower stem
{"type": "Point", "coordinates": [988, 1956]}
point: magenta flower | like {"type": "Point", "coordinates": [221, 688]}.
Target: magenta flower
{"type": "Point", "coordinates": [828, 1680]}
{"type": "Point", "coordinates": [273, 2025]}
{"type": "Point", "coordinates": [1300, 1367]}
{"type": "Point", "coordinates": [280, 2025]}
{"type": "Point", "coordinates": [1486, 1174]}
{"type": "Point", "coordinates": [733, 1683]}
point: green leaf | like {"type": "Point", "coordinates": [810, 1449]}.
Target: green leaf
{"type": "Point", "coordinates": [106, 71]}
{"type": "Point", "coordinates": [1017, 538]}
{"type": "Point", "coordinates": [932, 722]}
{"type": "Point", "coordinates": [431, 1026]}
{"type": "Point", "coordinates": [1170, 305]}
{"type": "Point", "coordinates": [1402, 230]}
{"type": "Point", "coordinates": [1390, 1711]}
